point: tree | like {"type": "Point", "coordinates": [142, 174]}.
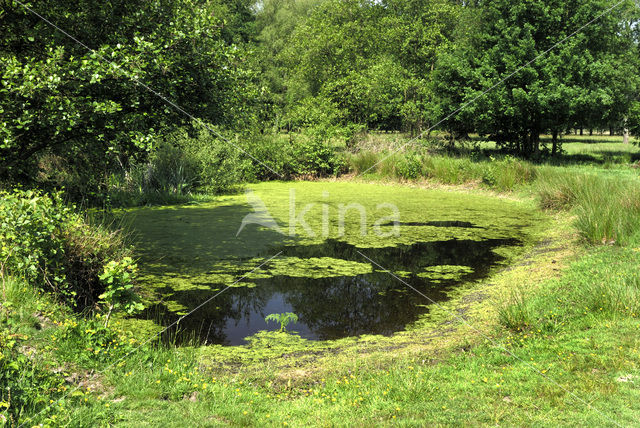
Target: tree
{"type": "Point", "coordinates": [569, 79]}
{"type": "Point", "coordinates": [372, 59]}
{"type": "Point", "coordinates": [61, 103]}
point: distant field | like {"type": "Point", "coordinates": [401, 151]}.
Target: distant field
{"type": "Point", "coordinates": [600, 148]}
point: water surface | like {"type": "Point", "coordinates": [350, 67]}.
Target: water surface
{"type": "Point", "coordinates": [191, 253]}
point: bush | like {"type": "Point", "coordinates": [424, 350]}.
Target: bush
{"type": "Point", "coordinates": [275, 152]}
{"type": "Point", "coordinates": [312, 156]}
{"type": "Point", "coordinates": [31, 237]}
{"type": "Point", "coordinates": [55, 249]}
{"type": "Point", "coordinates": [118, 277]}
{"type": "Point", "coordinates": [180, 164]}
{"type": "Point", "coordinates": [220, 166]}
{"type": "Point", "coordinates": [409, 166]}
{"type": "Point", "coordinates": [283, 156]}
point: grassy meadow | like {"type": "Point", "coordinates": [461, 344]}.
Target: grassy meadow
{"type": "Point", "coordinates": [550, 339]}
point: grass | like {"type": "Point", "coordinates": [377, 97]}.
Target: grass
{"type": "Point", "coordinates": [604, 283]}
{"type": "Point", "coordinates": [540, 368]}
{"type": "Point", "coordinates": [602, 191]}
{"type": "Point", "coordinates": [607, 209]}
{"type": "Point", "coordinates": [552, 340]}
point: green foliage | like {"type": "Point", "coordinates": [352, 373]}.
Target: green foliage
{"type": "Point", "coordinates": [168, 170]}
{"type": "Point", "coordinates": [587, 79]}
{"type": "Point", "coordinates": [119, 295]}
{"type": "Point", "coordinates": [409, 166]}
{"type": "Point", "coordinates": [370, 61]}
{"type": "Point", "coordinates": [45, 352]}
{"type": "Point", "coordinates": [219, 166]}
{"type": "Point", "coordinates": [31, 237]}
{"type": "Point", "coordinates": [292, 155]}
{"type": "Point", "coordinates": [516, 314]}
{"type": "Point", "coordinates": [25, 387]}
{"type": "Point", "coordinates": [312, 156]}
{"type": "Point", "coordinates": [59, 101]}
{"type": "Point", "coordinates": [54, 249]}
{"type": "Point", "coordinates": [275, 151]}
{"type": "Point", "coordinates": [284, 319]}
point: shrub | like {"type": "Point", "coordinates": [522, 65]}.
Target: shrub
{"type": "Point", "coordinates": [55, 249]}
{"type": "Point", "coordinates": [31, 237]}
{"type": "Point", "coordinates": [275, 152]}
{"type": "Point", "coordinates": [313, 156]}
{"type": "Point", "coordinates": [409, 166]}
{"type": "Point", "coordinates": [220, 166]}
{"type": "Point", "coordinates": [118, 277]}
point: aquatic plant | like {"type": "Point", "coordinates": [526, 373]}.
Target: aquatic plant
{"type": "Point", "coordinates": [284, 319]}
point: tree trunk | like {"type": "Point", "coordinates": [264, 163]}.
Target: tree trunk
{"type": "Point", "coordinates": [625, 133]}
{"type": "Point", "coordinates": [581, 131]}
{"type": "Point", "coordinates": [554, 145]}
{"type": "Point", "coordinates": [535, 143]}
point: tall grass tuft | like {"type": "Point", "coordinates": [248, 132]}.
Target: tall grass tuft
{"type": "Point", "coordinates": [508, 173]}
{"type": "Point", "coordinates": [607, 209]}
{"type": "Point", "coordinates": [517, 314]}
{"type": "Point", "coordinates": [560, 190]}
{"type": "Point", "coordinates": [363, 161]}
{"type": "Point", "coordinates": [450, 170]}
{"type": "Point", "coordinates": [503, 175]}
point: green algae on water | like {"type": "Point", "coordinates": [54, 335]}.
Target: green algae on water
{"type": "Point", "coordinates": [334, 244]}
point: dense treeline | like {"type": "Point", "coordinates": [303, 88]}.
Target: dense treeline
{"type": "Point", "coordinates": [318, 71]}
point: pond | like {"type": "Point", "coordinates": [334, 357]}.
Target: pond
{"type": "Point", "coordinates": [346, 258]}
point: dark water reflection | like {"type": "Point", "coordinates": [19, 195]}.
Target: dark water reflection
{"type": "Point", "coordinates": [335, 307]}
